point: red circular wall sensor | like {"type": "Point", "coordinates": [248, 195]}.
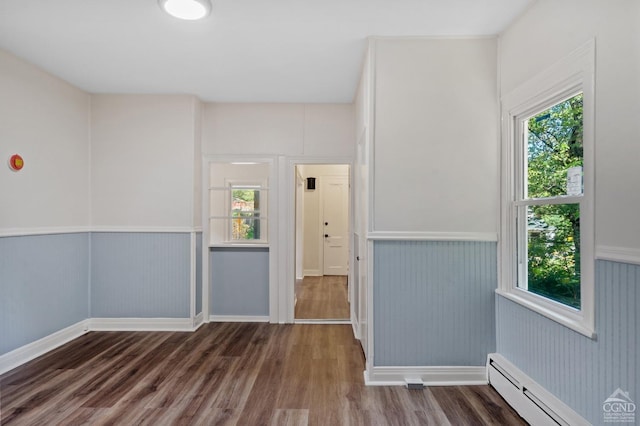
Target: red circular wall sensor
{"type": "Point", "coordinates": [16, 162]}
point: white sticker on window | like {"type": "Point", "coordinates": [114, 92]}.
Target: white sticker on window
{"type": "Point", "coordinates": [574, 181]}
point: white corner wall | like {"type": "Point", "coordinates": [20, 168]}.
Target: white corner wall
{"type": "Point", "coordinates": [436, 136]}
{"type": "Point", "coordinates": [527, 48]}
{"type": "Point", "coordinates": [142, 161]}
{"type": "Point", "coordinates": [197, 163]}
{"type": "Point", "coordinates": [46, 121]}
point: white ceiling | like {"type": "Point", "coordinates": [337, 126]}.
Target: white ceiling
{"type": "Point", "coordinates": [246, 51]}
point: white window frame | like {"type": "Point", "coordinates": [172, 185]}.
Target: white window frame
{"type": "Point", "coordinates": [264, 200]}
{"type": "Point", "coordinates": [572, 75]}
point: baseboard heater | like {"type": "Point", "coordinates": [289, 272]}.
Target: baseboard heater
{"type": "Point", "coordinates": [532, 402]}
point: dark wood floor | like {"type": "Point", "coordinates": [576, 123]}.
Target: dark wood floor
{"type": "Point", "coordinates": [322, 298]}
{"type": "Point", "coordinates": [226, 374]}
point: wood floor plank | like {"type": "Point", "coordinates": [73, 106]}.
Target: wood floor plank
{"type": "Point", "coordinates": [488, 405]}
{"type": "Point", "coordinates": [217, 417]}
{"type": "Point", "coordinates": [290, 417]}
{"type": "Point", "coordinates": [322, 298]}
{"type": "Point", "coordinates": [136, 368]}
{"type": "Point", "coordinates": [228, 374]}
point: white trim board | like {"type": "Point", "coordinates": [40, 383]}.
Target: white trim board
{"type": "Point", "coordinates": [141, 324]}
{"type": "Point", "coordinates": [24, 232]}
{"type": "Point", "coordinates": [430, 376]}
{"type": "Point", "coordinates": [323, 321]}
{"type": "Point", "coordinates": [238, 318]}
{"type": "Point", "coordinates": [30, 351]}
{"type": "Point", "coordinates": [433, 236]}
{"type": "Point", "coordinates": [311, 273]}
{"type": "Point", "coordinates": [355, 326]}
{"type": "Point", "coordinates": [198, 321]}
{"type": "Point", "coordinates": [618, 254]}
{"type": "Point", "coordinates": [144, 230]}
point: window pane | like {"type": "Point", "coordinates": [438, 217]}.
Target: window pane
{"type": "Point", "coordinates": [246, 216]}
{"type": "Point", "coordinates": [553, 252]}
{"type": "Point", "coordinates": [246, 226]}
{"type": "Point", "coordinates": [554, 151]}
{"type": "Point", "coordinates": [245, 199]}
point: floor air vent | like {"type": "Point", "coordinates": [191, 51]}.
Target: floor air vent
{"type": "Point", "coordinates": [414, 383]}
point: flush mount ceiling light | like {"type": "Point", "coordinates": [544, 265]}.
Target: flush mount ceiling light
{"type": "Point", "coordinates": [186, 9]}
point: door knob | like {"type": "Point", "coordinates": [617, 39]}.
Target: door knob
{"type": "Point", "coordinates": [326, 223]}
{"type": "Point", "coordinates": [326, 235]}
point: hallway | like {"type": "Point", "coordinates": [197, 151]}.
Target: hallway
{"type": "Point", "coordinates": [322, 298]}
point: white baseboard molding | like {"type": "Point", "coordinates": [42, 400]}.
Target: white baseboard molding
{"type": "Point", "coordinates": [430, 376]}
{"type": "Point", "coordinates": [532, 401]}
{"type": "Point", "coordinates": [322, 321]}
{"type": "Point", "coordinates": [238, 318]}
{"type": "Point", "coordinates": [198, 321]}
{"type": "Point", "coordinates": [141, 324]}
{"type": "Point", "coordinates": [26, 353]}
{"type": "Point", "coordinates": [312, 273]}
{"type": "Point", "coordinates": [356, 327]}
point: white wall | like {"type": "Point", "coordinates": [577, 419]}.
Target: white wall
{"type": "Point", "coordinates": [436, 139]}
{"type": "Point", "coordinates": [313, 239]}
{"type": "Point", "coordinates": [362, 101]}
{"type": "Point", "coordinates": [528, 47]}
{"type": "Point", "coordinates": [142, 167]}
{"type": "Point", "coordinates": [278, 129]}
{"type": "Point", "coordinates": [46, 121]}
{"type": "Point", "coordinates": [197, 166]}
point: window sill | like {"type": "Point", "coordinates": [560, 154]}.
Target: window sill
{"type": "Point", "coordinates": [547, 309]}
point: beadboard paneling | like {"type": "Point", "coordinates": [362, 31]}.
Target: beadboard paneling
{"type": "Point", "coordinates": [239, 281]}
{"type": "Point", "coordinates": [43, 286]}
{"type": "Point", "coordinates": [140, 275]}
{"type": "Point", "coordinates": [434, 303]}
{"type": "Point", "coordinates": [580, 371]}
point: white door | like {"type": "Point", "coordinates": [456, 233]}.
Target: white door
{"type": "Point", "coordinates": [335, 212]}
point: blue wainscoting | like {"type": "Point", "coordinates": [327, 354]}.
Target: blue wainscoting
{"type": "Point", "coordinates": [239, 281]}
{"type": "Point", "coordinates": [434, 303]}
{"type": "Point", "coordinates": [140, 275]}
{"type": "Point", "coordinates": [43, 286]}
{"type": "Point", "coordinates": [580, 371]}
{"type": "Point", "coordinates": [198, 272]}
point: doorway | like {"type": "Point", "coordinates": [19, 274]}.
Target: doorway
{"type": "Point", "coordinates": [322, 231]}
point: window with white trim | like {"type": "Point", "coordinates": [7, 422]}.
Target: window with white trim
{"type": "Point", "coordinates": [547, 193]}
{"type": "Point", "coordinates": [246, 213]}
{"type": "Point", "coordinates": [238, 203]}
